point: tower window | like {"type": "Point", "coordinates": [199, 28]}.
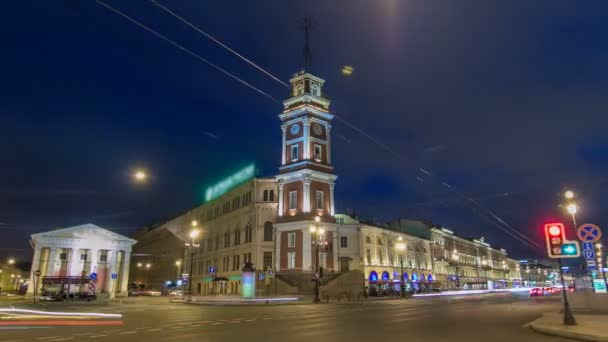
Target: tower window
{"type": "Point", "coordinates": [299, 89]}
{"type": "Point", "coordinates": [319, 199]}
{"type": "Point", "coordinates": [271, 196]}
{"type": "Point", "coordinates": [265, 195]}
{"type": "Point", "coordinates": [315, 90]}
{"type": "Point", "coordinates": [295, 152]}
{"type": "Point", "coordinates": [293, 200]}
{"type": "Point", "coordinates": [318, 152]}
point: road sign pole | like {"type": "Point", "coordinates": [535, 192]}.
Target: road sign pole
{"type": "Point", "coordinates": [568, 316]}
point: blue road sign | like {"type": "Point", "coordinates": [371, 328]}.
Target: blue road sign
{"type": "Point", "coordinates": [94, 276]}
{"type": "Point", "coordinates": [588, 246]}
{"type": "Point", "coordinates": [261, 276]}
{"type": "Point", "coordinates": [589, 255]}
{"type": "Point", "coordinates": [114, 276]}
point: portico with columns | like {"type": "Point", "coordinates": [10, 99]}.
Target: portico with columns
{"type": "Point", "coordinates": [73, 254]}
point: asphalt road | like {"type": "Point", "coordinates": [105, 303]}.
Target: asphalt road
{"type": "Point", "coordinates": [487, 318]}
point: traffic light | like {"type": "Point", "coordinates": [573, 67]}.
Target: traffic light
{"type": "Point", "coordinates": [557, 244]}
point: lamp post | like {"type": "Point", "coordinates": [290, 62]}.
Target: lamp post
{"type": "Point", "coordinates": [318, 233]}
{"type": "Point", "coordinates": [401, 248]}
{"type": "Point", "coordinates": [455, 261]}
{"type": "Point", "coordinates": [190, 247]}
{"type": "Point", "coordinates": [599, 246]}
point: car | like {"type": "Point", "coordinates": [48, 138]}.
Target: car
{"type": "Point", "coordinates": [149, 292]}
{"type": "Point", "coordinates": [536, 292]}
{"type": "Point", "coordinates": [176, 293]}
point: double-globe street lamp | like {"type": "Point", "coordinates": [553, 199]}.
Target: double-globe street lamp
{"type": "Point", "coordinates": [401, 249]}
{"type": "Point", "coordinates": [318, 239]}
{"type": "Point", "coordinates": [190, 247]}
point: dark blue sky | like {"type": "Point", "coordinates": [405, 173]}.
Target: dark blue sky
{"type": "Point", "coordinates": [492, 98]}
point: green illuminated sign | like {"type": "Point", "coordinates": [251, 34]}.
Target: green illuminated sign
{"type": "Point", "coordinates": [569, 249]}
{"type": "Point", "coordinates": [229, 183]}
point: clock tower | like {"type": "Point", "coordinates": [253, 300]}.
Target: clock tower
{"type": "Point", "coordinates": [306, 176]}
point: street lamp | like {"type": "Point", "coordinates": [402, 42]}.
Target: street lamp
{"type": "Point", "coordinates": [140, 176]}
{"type": "Point", "coordinates": [569, 194]}
{"type": "Point", "coordinates": [455, 261]}
{"type": "Point", "coordinates": [11, 261]}
{"type": "Point", "coordinates": [190, 247]}
{"type": "Point", "coordinates": [139, 264]}
{"type": "Point", "coordinates": [318, 238]}
{"type": "Point", "coordinates": [401, 248]}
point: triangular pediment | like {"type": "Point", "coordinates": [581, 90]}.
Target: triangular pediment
{"type": "Point", "coordinates": [85, 231]}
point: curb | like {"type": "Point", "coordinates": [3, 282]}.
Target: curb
{"type": "Point", "coordinates": [568, 334]}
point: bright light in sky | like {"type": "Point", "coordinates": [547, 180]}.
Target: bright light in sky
{"type": "Point", "coordinates": [140, 175]}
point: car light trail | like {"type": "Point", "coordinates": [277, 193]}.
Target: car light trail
{"type": "Point", "coordinates": [59, 323]}
{"type": "Point", "coordinates": [58, 313]}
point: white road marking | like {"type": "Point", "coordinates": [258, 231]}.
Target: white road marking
{"type": "Point", "coordinates": [48, 337]}
{"type": "Point", "coordinates": [250, 320]}
{"type": "Point", "coordinates": [128, 332]}
{"type": "Point", "coordinates": [153, 330]}
{"type": "Point", "coordinates": [216, 323]}
{"type": "Point", "coordinates": [64, 339]}
{"type": "Point", "coordinates": [96, 336]}
{"type": "Point", "coordinates": [266, 318]}
{"type": "Point", "coordinates": [232, 322]}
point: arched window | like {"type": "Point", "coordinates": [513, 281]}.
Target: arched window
{"type": "Point", "coordinates": [368, 239]}
{"type": "Point", "coordinates": [430, 278]}
{"type": "Point", "coordinates": [373, 277]}
{"type": "Point", "coordinates": [271, 196]}
{"type": "Point", "coordinates": [380, 243]}
{"type": "Point", "coordinates": [299, 89]}
{"type": "Point", "coordinates": [315, 90]}
{"type": "Point", "coordinates": [414, 277]}
{"type": "Point", "coordinates": [385, 276]}
{"type": "Point", "coordinates": [265, 195]}
{"type": "Point", "coordinates": [268, 231]}
{"type": "Point", "coordinates": [405, 277]}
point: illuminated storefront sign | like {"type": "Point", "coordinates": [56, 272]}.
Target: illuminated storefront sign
{"type": "Point", "coordinates": [229, 182]}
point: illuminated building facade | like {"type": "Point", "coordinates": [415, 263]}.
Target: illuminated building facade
{"type": "Point", "coordinates": [12, 278]}
{"type": "Point", "coordinates": [70, 256]}
{"type": "Point", "coordinates": [235, 226]}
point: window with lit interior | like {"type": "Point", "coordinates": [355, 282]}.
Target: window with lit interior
{"type": "Point", "coordinates": [293, 200]}
{"type": "Point", "coordinates": [295, 152]}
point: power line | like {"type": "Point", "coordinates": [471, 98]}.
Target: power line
{"type": "Point", "coordinates": [186, 50]}
{"type": "Point", "coordinates": [506, 227]}
{"type": "Point", "coordinates": [247, 60]}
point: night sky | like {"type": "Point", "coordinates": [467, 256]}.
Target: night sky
{"type": "Point", "coordinates": [506, 103]}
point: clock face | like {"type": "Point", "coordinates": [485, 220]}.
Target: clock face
{"type": "Point", "coordinates": [295, 129]}
{"type": "Point", "coordinates": [317, 129]}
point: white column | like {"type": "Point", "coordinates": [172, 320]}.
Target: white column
{"type": "Point", "coordinates": [277, 251]}
{"type": "Point", "coordinates": [307, 261]}
{"type": "Point", "coordinates": [124, 286]}
{"type": "Point", "coordinates": [73, 269]}
{"type": "Point", "coordinates": [281, 201]}
{"type": "Point", "coordinates": [35, 266]}
{"type": "Point", "coordinates": [306, 195]}
{"type": "Point", "coordinates": [328, 135]}
{"type": "Point", "coordinates": [111, 265]}
{"type": "Point", "coordinates": [52, 263]}
{"type": "Point", "coordinates": [94, 257]}
{"type": "Point", "coordinates": [336, 245]}
{"type": "Point", "coordinates": [306, 135]}
{"type": "Point", "coordinates": [331, 198]}
{"type": "Point", "coordinates": [284, 129]}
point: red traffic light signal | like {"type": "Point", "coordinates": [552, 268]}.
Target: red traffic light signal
{"type": "Point", "coordinates": [557, 244]}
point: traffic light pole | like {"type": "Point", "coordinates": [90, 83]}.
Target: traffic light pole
{"type": "Point", "coordinates": [568, 316]}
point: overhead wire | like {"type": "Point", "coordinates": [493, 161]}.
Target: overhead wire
{"type": "Point", "coordinates": [194, 27]}
{"type": "Point", "coordinates": [489, 216]}
{"type": "Point", "coordinates": [191, 53]}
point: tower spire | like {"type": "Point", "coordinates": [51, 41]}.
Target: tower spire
{"type": "Point", "coordinates": [306, 26]}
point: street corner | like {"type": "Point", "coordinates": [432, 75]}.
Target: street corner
{"type": "Point", "coordinates": [589, 327]}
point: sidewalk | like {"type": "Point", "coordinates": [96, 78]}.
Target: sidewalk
{"type": "Point", "coordinates": [589, 327]}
